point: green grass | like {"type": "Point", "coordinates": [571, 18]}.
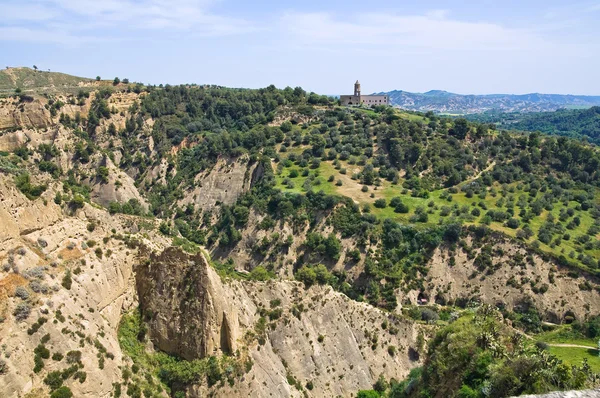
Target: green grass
{"type": "Point", "coordinates": [574, 356]}
{"type": "Point", "coordinates": [322, 172]}
{"type": "Point", "coordinates": [156, 371]}
{"type": "Point", "coordinates": [564, 334]}
{"type": "Point", "coordinates": [29, 80]}
{"type": "Point", "coordinates": [186, 245]}
{"type": "Point", "coordinates": [352, 189]}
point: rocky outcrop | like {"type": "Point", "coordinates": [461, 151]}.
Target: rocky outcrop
{"type": "Point", "coordinates": [510, 276]}
{"type": "Point", "coordinates": [311, 336]}
{"type": "Point", "coordinates": [19, 214]}
{"type": "Point", "coordinates": [567, 394]}
{"type": "Point", "coordinates": [223, 184]}
{"type": "Point", "coordinates": [23, 115]}
{"type": "Point", "coordinates": [119, 187]}
{"type": "Point", "coordinates": [182, 300]}
{"type": "Point", "coordinates": [40, 244]}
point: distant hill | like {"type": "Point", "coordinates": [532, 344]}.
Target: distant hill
{"type": "Point", "coordinates": [581, 123]}
{"type": "Point", "coordinates": [28, 79]}
{"type": "Point", "coordinates": [446, 102]}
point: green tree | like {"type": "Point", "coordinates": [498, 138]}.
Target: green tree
{"type": "Point", "coordinates": [102, 174]}
{"type": "Point", "coordinates": [368, 394]}
{"type": "Point", "coordinates": [460, 128]}
{"type": "Point", "coordinates": [62, 392]}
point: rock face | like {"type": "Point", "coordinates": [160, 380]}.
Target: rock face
{"type": "Point", "coordinates": [514, 277]}
{"type": "Point", "coordinates": [39, 245]}
{"type": "Point", "coordinates": [183, 300]}
{"type": "Point", "coordinates": [224, 183]}
{"type": "Point", "coordinates": [29, 114]}
{"type": "Point", "coordinates": [120, 187]}
{"type": "Point", "coordinates": [314, 335]}
{"type": "Point", "coordinates": [567, 394]}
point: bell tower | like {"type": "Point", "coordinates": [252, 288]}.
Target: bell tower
{"type": "Point", "coordinates": [357, 89]}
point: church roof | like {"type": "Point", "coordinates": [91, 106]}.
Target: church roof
{"type": "Point", "coordinates": [357, 82]}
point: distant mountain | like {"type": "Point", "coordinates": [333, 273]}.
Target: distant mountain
{"type": "Point", "coordinates": [446, 102]}
{"type": "Point", "coordinates": [579, 123]}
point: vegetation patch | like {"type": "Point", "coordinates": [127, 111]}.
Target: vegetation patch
{"type": "Point", "coordinates": [158, 371]}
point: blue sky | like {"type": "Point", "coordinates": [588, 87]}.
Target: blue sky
{"type": "Point", "coordinates": [476, 47]}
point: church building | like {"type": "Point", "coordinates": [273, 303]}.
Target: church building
{"type": "Point", "coordinates": [368, 100]}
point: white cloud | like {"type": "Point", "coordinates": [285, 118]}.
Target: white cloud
{"type": "Point", "coordinates": [67, 19]}
{"type": "Point", "coordinates": [431, 31]}
{"type": "Point", "coordinates": [43, 35]}
{"type": "Point", "coordinates": [33, 12]}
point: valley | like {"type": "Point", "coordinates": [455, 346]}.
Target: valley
{"type": "Point", "coordinates": [210, 241]}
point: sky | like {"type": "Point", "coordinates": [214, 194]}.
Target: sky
{"type": "Point", "coordinates": [467, 47]}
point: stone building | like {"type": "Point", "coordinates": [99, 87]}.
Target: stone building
{"type": "Point", "coordinates": [367, 100]}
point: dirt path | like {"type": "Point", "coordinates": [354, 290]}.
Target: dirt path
{"type": "Point", "coordinates": [476, 176]}
{"type": "Point", "coordinates": [572, 345]}
{"type": "Point", "coordinates": [589, 347]}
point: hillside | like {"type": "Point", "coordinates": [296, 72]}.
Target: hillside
{"type": "Point", "coordinates": [208, 241]}
{"type": "Point", "coordinates": [39, 81]}
{"type": "Point", "coordinates": [445, 102]}
{"type": "Point", "coordinates": [579, 123]}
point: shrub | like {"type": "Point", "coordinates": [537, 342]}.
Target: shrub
{"type": "Point", "coordinates": [513, 223]}
{"type": "Point", "coordinates": [429, 315]}
{"type": "Point", "coordinates": [22, 311]}
{"type": "Point", "coordinates": [314, 274]}
{"type": "Point", "coordinates": [396, 200]}
{"type": "Point", "coordinates": [54, 380]}
{"type": "Point", "coordinates": [164, 228]}
{"type": "Point", "coordinates": [542, 345]}
{"type": "Point", "coordinates": [73, 357]}
{"type": "Point", "coordinates": [402, 208]}
{"type": "Point", "coordinates": [392, 350]}
{"type": "Point", "coordinates": [67, 281]}
{"type": "Point", "coordinates": [62, 392]}
{"type": "Point", "coordinates": [77, 202]}
{"type": "Point", "coordinates": [38, 364]}
{"type": "Point", "coordinates": [21, 293]}
{"type": "Point", "coordinates": [368, 394]}
{"type": "Point", "coordinates": [42, 351]}
{"type": "Point", "coordinates": [259, 274]}
{"type": "Point", "coordinates": [381, 384]}
{"type": "Point", "coordinates": [23, 183]}
{"type": "Point", "coordinates": [380, 203]}
{"type": "Point", "coordinates": [38, 287]}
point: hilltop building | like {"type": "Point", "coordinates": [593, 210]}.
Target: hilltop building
{"type": "Point", "coordinates": [368, 100]}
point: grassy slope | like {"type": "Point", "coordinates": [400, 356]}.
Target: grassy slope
{"type": "Point", "coordinates": [565, 335]}
{"type": "Point", "coordinates": [575, 356]}
{"type": "Point", "coordinates": [352, 188]}
{"type": "Point", "coordinates": [27, 79]}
